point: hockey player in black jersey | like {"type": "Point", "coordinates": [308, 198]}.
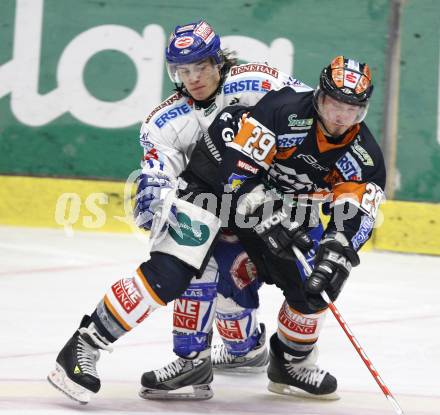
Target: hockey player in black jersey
{"type": "Point", "coordinates": [309, 147]}
{"type": "Point", "coordinates": [299, 145]}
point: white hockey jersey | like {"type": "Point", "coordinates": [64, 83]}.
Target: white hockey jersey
{"type": "Point", "coordinates": [171, 130]}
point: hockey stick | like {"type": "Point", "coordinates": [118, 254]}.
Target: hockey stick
{"type": "Point", "coordinates": [350, 335]}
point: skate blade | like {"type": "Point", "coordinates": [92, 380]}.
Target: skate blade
{"type": "Point", "coordinates": [199, 393]}
{"type": "Point", "coordinates": [284, 389]}
{"type": "Point", "coordinates": [59, 380]}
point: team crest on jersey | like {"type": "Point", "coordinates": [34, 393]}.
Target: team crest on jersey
{"type": "Point", "coordinates": [236, 180]}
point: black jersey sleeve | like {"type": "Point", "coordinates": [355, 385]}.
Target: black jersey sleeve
{"type": "Point", "coordinates": [355, 203]}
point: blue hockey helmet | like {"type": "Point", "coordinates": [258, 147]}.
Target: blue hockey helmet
{"type": "Point", "coordinates": [191, 43]}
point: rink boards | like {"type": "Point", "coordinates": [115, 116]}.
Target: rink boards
{"type": "Point", "coordinates": [103, 206]}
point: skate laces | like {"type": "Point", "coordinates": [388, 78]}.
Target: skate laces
{"type": "Point", "coordinates": [170, 370]}
{"type": "Point", "coordinates": [87, 357]}
{"type": "Point", "coordinates": [221, 355]}
{"type": "Point", "coordinates": [312, 375]}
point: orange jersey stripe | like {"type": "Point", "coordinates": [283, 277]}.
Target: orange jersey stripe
{"type": "Point", "coordinates": [351, 190]}
{"type": "Point", "coordinates": [283, 155]}
{"type": "Point", "coordinates": [295, 339]}
{"type": "Point", "coordinates": [148, 287]}
{"type": "Point", "coordinates": [324, 145]}
{"type": "Point", "coordinates": [115, 314]}
{"type": "Point", "coordinates": [244, 134]}
{"type": "Point", "coordinates": [256, 141]}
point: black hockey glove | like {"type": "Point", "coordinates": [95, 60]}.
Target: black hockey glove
{"type": "Point", "coordinates": [333, 264]}
{"type": "Point", "coordinates": [279, 233]}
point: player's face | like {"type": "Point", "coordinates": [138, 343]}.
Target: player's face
{"type": "Point", "coordinates": [201, 79]}
{"type": "Point", "coordinates": [337, 116]}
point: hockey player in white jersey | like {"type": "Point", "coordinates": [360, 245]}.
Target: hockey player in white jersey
{"type": "Point", "coordinates": [207, 81]}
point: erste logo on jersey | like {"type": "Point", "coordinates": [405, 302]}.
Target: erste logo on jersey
{"type": "Point", "coordinates": [349, 167]}
{"type": "Point", "coordinates": [171, 114]}
{"type": "Point", "coordinates": [255, 85]}
{"type": "Point", "coordinates": [290, 140]}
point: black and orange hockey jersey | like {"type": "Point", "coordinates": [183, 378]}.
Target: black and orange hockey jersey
{"type": "Point", "coordinates": [280, 138]}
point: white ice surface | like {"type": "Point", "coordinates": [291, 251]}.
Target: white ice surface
{"type": "Point", "coordinates": [49, 280]}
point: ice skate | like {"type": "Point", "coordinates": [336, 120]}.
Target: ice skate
{"type": "Point", "coordinates": [182, 379]}
{"type": "Point", "coordinates": [254, 361]}
{"type": "Point", "coordinates": [75, 374]}
{"type": "Point", "coordinates": [304, 379]}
